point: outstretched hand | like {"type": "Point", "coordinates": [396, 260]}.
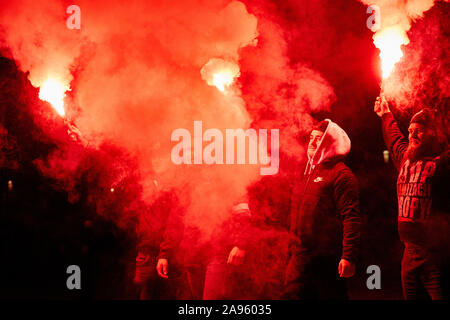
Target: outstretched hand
{"type": "Point", "coordinates": [381, 106]}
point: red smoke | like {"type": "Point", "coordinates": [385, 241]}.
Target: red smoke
{"type": "Point", "coordinates": [424, 53]}
{"type": "Point", "coordinates": [135, 74]}
{"type": "Point", "coordinates": [138, 70]}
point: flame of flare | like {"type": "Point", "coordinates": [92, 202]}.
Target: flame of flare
{"type": "Point", "coordinates": [389, 41]}
{"type": "Point", "coordinates": [220, 73]}
{"type": "Point", "coordinates": [53, 92]}
{"type": "Point", "coordinates": [223, 79]}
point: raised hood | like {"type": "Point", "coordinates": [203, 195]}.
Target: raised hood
{"type": "Point", "coordinates": [335, 144]}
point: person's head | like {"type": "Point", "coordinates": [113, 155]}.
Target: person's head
{"type": "Point", "coordinates": [315, 137]}
{"type": "Point", "coordinates": [422, 135]}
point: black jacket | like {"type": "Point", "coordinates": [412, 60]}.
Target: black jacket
{"type": "Point", "coordinates": [324, 213]}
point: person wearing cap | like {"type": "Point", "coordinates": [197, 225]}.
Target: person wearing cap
{"type": "Point", "coordinates": [423, 202]}
{"type": "Point", "coordinates": [324, 219]}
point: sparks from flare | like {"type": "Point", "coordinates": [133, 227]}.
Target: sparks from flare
{"type": "Point", "coordinates": [53, 92]}
{"type": "Point", "coordinates": [389, 42]}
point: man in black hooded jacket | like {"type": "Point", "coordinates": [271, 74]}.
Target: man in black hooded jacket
{"type": "Point", "coordinates": [324, 219]}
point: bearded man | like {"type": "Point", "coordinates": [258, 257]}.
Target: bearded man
{"type": "Point", "coordinates": [423, 204]}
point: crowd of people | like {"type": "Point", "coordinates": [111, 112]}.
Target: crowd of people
{"type": "Point", "coordinates": [320, 226]}
{"type": "Point", "coordinates": [296, 235]}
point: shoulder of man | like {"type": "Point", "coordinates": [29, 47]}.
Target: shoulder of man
{"type": "Point", "coordinates": [342, 171]}
{"type": "Point", "coordinates": [341, 167]}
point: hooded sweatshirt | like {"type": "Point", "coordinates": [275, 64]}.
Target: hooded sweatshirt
{"type": "Point", "coordinates": [324, 211]}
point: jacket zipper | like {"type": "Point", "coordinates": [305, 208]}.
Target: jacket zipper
{"type": "Point", "coordinates": [294, 225]}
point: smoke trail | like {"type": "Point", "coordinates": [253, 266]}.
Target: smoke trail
{"type": "Point", "coordinates": [135, 73]}
{"type": "Point", "coordinates": [37, 37]}
{"type": "Point", "coordinates": [280, 93]}
{"type": "Point", "coordinates": [419, 79]}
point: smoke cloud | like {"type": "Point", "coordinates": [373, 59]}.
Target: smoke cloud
{"type": "Point", "coordinates": [138, 70]}
{"type": "Point", "coordinates": [135, 75]}
{"type": "Point", "coordinates": [419, 79]}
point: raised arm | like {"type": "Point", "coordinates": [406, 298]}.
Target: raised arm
{"type": "Point", "coordinates": [393, 137]}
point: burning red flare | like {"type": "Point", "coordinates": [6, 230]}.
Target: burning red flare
{"type": "Point", "coordinates": [223, 79]}
{"type": "Point", "coordinates": [220, 73]}
{"type": "Point", "coordinates": [389, 41]}
{"type": "Point", "coordinates": [53, 92]}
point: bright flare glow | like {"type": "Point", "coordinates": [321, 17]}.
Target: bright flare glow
{"type": "Point", "coordinates": [53, 92]}
{"type": "Point", "coordinates": [389, 41]}
{"type": "Point", "coordinates": [220, 73]}
{"type": "Point", "coordinates": [223, 79]}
